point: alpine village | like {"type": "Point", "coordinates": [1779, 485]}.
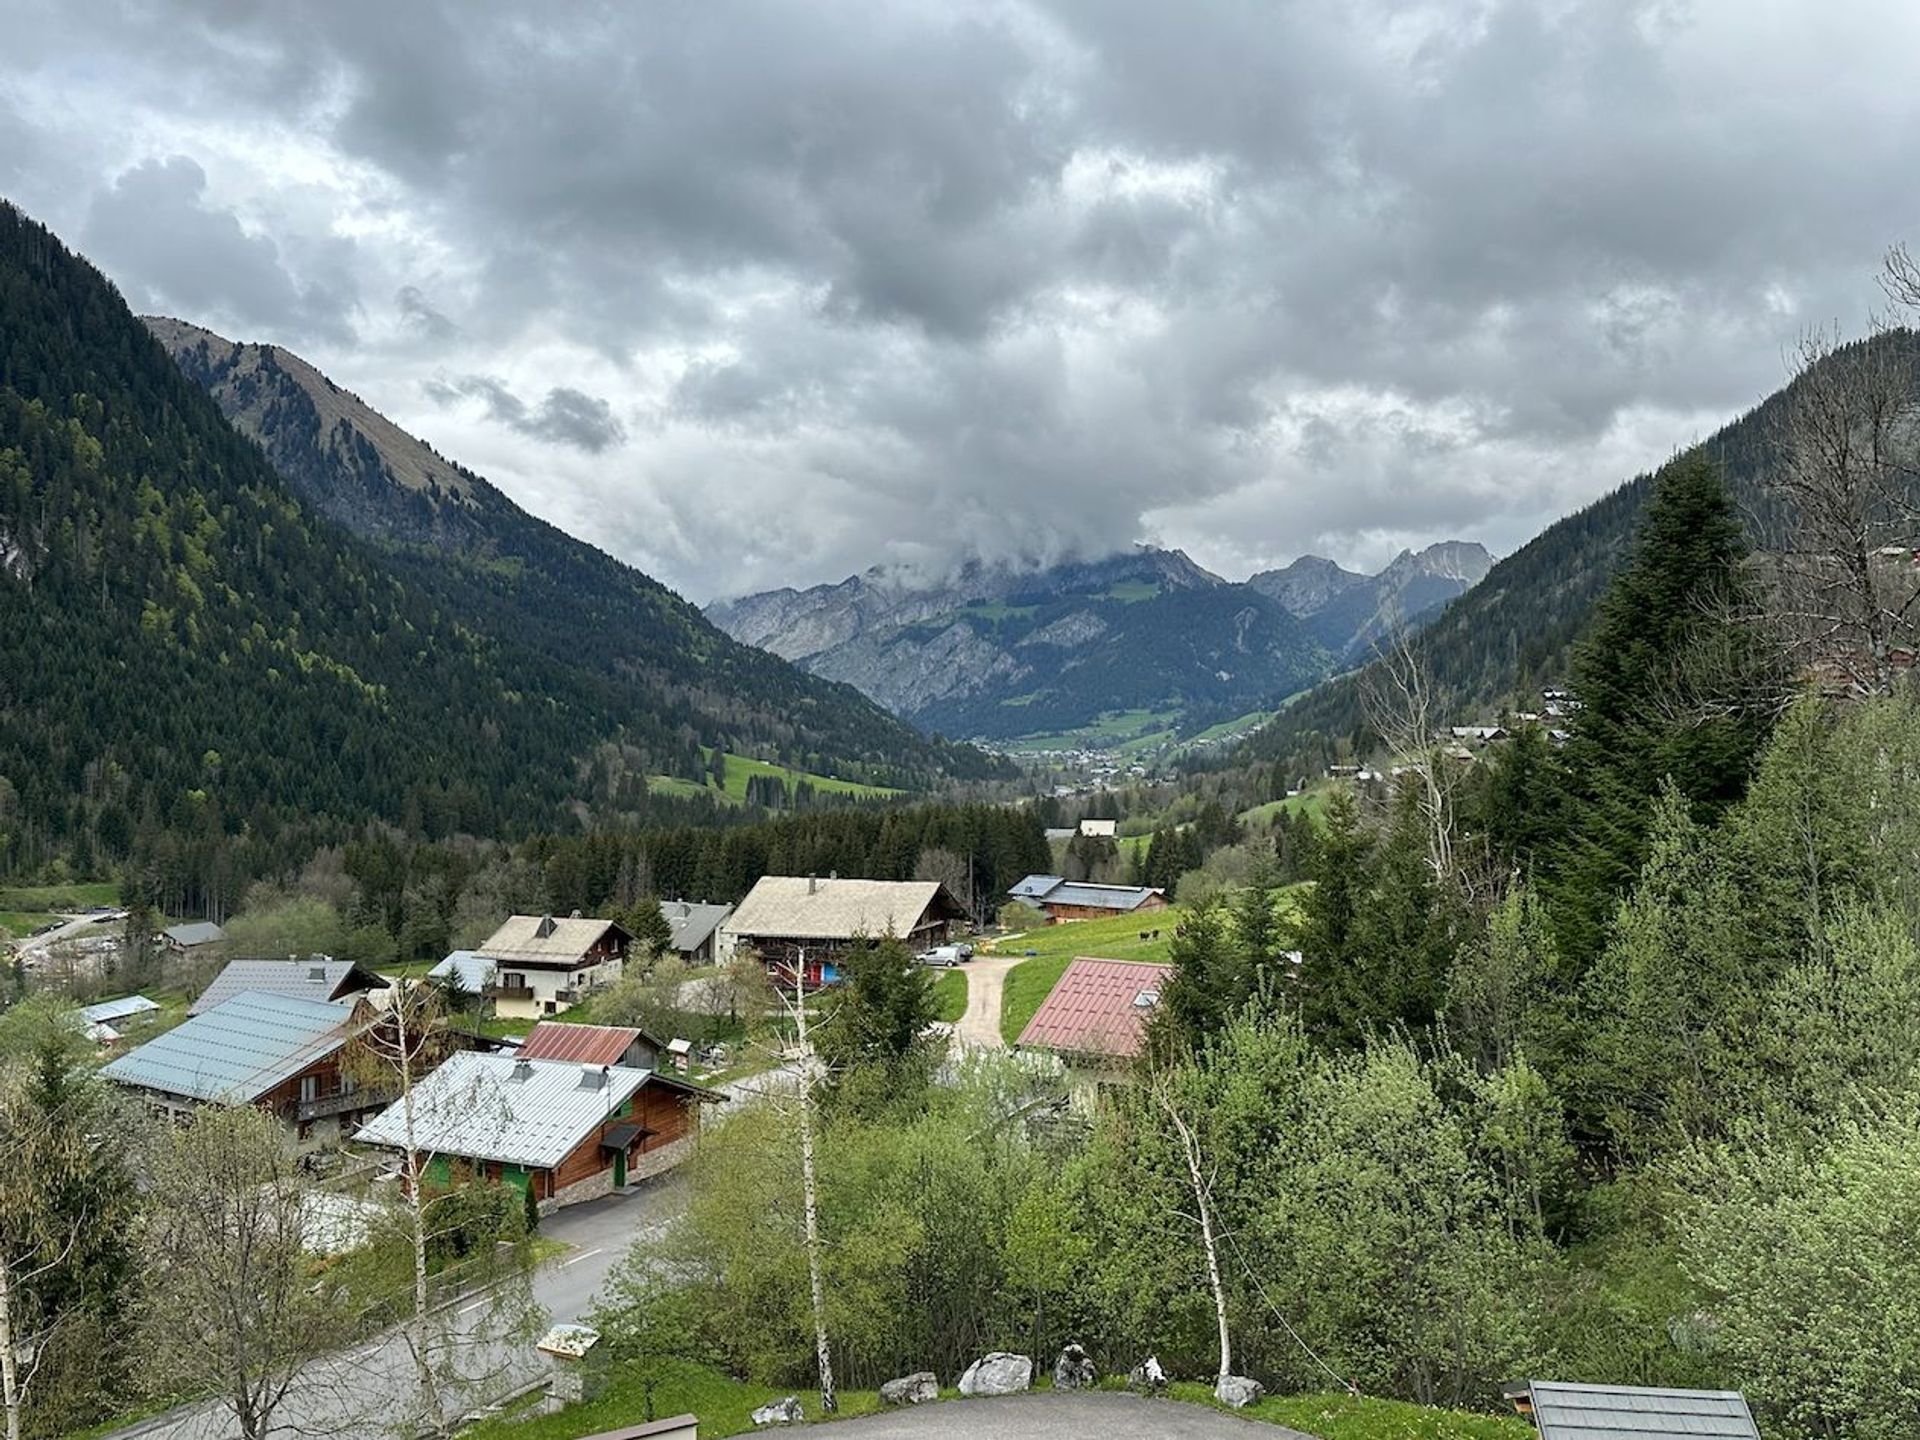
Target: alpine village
{"type": "Point", "coordinates": [982, 971]}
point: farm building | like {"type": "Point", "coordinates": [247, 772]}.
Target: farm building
{"type": "Point", "coordinates": [805, 924]}
{"type": "Point", "coordinates": [103, 1022]}
{"type": "Point", "coordinates": [543, 966]}
{"type": "Point", "coordinates": [191, 936]}
{"type": "Point", "coordinates": [1099, 829]}
{"type": "Point", "coordinates": [566, 1132]}
{"type": "Point", "coordinates": [1064, 899]}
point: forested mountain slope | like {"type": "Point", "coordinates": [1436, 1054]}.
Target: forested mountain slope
{"type": "Point", "coordinates": [1513, 632]}
{"type": "Point", "coordinates": [185, 644]}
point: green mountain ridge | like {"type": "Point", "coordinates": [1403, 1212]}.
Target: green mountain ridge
{"type": "Point", "coordinates": [186, 644]}
{"type": "Point", "coordinates": [1512, 633]}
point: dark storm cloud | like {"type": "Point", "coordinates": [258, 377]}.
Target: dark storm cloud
{"type": "Point", "coordinates": [910, 281]}
{"type": "Point", "coordinates": [154, 226]}
{"type": "Point", "coordinates": [565, 416]}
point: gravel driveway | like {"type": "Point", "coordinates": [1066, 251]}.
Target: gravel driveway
{"type": "Point", "coordinates": [979, 1028]}
{"type": "Point", "coordinates": [1044, 1415]}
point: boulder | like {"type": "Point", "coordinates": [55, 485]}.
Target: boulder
{"type": "Point", "coordinates": [915, 1389]}
{"type": "Point", "coordinates": [780, 1412]}
{"type": "Point", "coordinates": [1073, 1370]}
{"type": "Point", "coordinates": [1238, 1391]}
{"type": "Point", "coordinates": [1148, 1375]}
{"type": "Point", "coordinates": [998, 1374]}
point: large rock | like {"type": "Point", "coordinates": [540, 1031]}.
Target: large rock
{"type": "Point", "coordinates": [1148, 1375]}
{"type": "Point", "coordinates": [915, 1389]}
{"type": "Point", "coordinates": [998, 1374]}
{"type": "Point", "coordinates": [1238, 1391]}
{"type": "Point", "coordinates": [1073, 1370]}
{"type": "Point", "coordinates": [780, 1412]}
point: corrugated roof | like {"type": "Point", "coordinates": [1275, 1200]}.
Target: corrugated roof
{"type": "Point", "coordinates": [316, 979]}
{"type": "Point", "coordinates": [1100, 1007]}
{"type": "Point", "coordinates": [1616, 1412]}
{"type": "Point", "coordinates": [545, 939]}
{"type": "Point", "coordinates": [692, 922]}
{"type": "Point", "coordinates": [1034, 886]}
{"type": "Point", "coordinates": [487, 1107]}
{"type": "Point", "coordinates": [582, 1044]}
{"type": "Point", "coordinates": [795, 907]}
{"type": "Point", "coordinates": [117, 1009]}
{"type": "Point", "coordinates": [475, 972]}
{"type": "Point", "coordinates": [237, 1051]}
{"type": "Point", "coordinates": [196, 932]}
{"type": "Point", "coordinates": [1121, 898]}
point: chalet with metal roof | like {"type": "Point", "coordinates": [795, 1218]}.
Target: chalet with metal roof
{"type": "Point", "coordinates": [316, 978]}
{"type": "Point", "coordinates": [1095, 1019]}
{"type": "Point", "coordinates": [192, 935]}
{"type": "Point", "coordinates": [563, 1131]}
{"type": "Point", "coordinates": [1064, 899]}
{"type": "Point", "coordinates": [104, 1022]}
{"type": "Point", "coordinates": [626, 1045]}
{"type": "Point", "coordinates": [804, 924]}
{"type": "Point", "coordinates": [474, 973]}
{"type": "Point", "coordinates": [543, 966]}
{"type": "Point", "coordinates": [696, 929]}
{"type": "Point", "coordinates": [1563, 1411]}
{"type": "Point", "coordinates": [281, 1053]}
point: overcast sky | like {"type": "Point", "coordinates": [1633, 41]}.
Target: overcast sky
{"type": "Point", "coordinates": [757, 292]}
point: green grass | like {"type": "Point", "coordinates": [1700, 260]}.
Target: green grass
{"type": "Point", "coordinates": [1029, 983]}
{"type": "Point", "coordinates": [1239, 725]}
{"type": "Point", "coordinates": [1311, 803]}
{"type": "Point", "coordinates": [1121, 731]}
{"type": "Point", "coordinates": [741, 768]}
{"type": "Point", "coordinates": [950, 996]}
{"type": "Point", "coordinates": [59, 897]}
{"type": "Point", "coordinates": [725, 1407]}
{"type": "Point", "coordinates": [1132, 592]}
{"type": "Point", "coordinates": [1345, 1417]}
{"type": "Point", "coordinates": [22, 923]}
{"type": "Point", "coordinates": [998, 610]}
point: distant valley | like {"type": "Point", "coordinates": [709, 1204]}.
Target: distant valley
{"type": "Point", "coordinates": [1143, 646]}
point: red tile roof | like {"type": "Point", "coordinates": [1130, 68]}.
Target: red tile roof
{"type": "Point", "coordinates": [1096, 1009]}
{"type": "Point", "coordinates": [587, 1044]}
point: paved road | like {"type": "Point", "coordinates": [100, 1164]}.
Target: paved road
{"type": "Point", "coordinates": [33, 948]}
{"type": "Point", "coordinates": [364, 1392]}
{"type": "Point", "coordinates": [979, 1027]}
{"type": "Point", "coordinates": [1044, 1415]}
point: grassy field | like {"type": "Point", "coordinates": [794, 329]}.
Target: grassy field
{"type": "Point", "coordinates": [725, 1407]}
{"type": "Point", "coordinates": [1311, 803]}
{"type": "Point", "coordinates": [25, 908]}
{"type": "Point", "coordinates": [950, 996]}
{"type": "Point", "coordinates": [1118, 731]}
{"type": "Point", "coordinates": [741, 768]}
{"type": "Point", "coordinates": [1031, 981]}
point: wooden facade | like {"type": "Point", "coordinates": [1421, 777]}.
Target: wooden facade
{"type": "Point", "coordinates": [1055, 913]}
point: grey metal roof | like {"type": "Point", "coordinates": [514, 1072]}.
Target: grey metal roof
{"type": "Point", "coordinates": [1034, 886]}
{"type": "Point", "coordinates": [1121, 898]}
{"type": "Point", "coordinates": [117, 1009]}
{"type": "Point", "coordinates": [318, 978]}
{"type": "Point", "coordinates": [238, 1050]}
{"type": "Point", "coordinates": [692, 922]}
{"type": "Point", "coordinates": [494, 1107]}
{"type": "Point", "coordinates": [196, 932]}
{"type": "Point", "coordinates": [1611, 1412]}
{"type": "Point", "coordinates": [474, 970]}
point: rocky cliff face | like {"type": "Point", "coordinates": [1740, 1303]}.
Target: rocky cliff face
{"type": "Point", "coordinates": [1347, 612]}
{"type": "Point", "coordinates": [1001, 653]}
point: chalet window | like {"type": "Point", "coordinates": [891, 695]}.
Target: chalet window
{"type": "Point", "coordinates": [309, 1087]}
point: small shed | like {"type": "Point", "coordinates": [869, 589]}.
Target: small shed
{"type": "Point", "coordinates": [1564, 1411]}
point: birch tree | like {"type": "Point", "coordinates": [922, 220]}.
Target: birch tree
{"type": "Point", "coordinates": [1194, 1160]}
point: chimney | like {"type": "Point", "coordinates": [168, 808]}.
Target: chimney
{"type": "Point", "coordinates": [544, 928]}
{"type": "Point", "coordinates": [523, 1070]}
{"type": "Point", "coordinates": [593, 1078]}
{"type": "Point", "coordinates": [317, 973]}
{"type": "Point", "coordinates": [813, 884]}
{"type": "Point", "coordinates": [575, 915]}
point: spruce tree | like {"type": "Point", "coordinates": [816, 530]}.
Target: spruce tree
{"type": "Point", "coordinates": [1640, 721]}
